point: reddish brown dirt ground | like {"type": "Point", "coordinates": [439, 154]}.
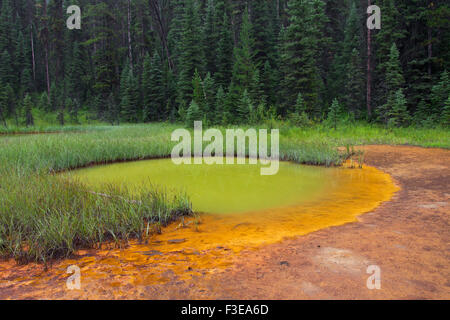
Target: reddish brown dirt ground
{"type": "Point", "coordinates": [407, 237]}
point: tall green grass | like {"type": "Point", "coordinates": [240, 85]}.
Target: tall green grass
{"type": "Point", "coordinates": [43, 216]}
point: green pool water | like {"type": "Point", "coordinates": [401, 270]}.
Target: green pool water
{"type": "Point", "coordinates": [220, 188]}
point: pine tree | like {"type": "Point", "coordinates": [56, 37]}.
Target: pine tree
{"type": "Point", "coordinates": [445, 117]}
{"type": "Point", "coordinates": [224, 55]}
{"type": "Point", "coordinates": [300, 106]}
{"type": "Point", "coordinates": [209, 89]}
{"type": "Point", "coordinates": [210, 37]}
{"type": "Point", "coordinates": [398, 115]}
{"type": "Point", "coordinates": [394, 82]}
{"type": "Point", "coordinates": [6, 26]}
{"type": "Point", "coordinates": [6, 72]}
{"type": "Point", "coordinates": [301, 53]}
{"type": "Point", "coordinates": [153, 88]}
{"type": "Point", "coordinates": [263, 33]}
{"type": "Point", "coordinates": [27, 107]}
{"type": "Point", "coordinates": [221, 114]}
{"type": "Point", "coordinates": [439, 94]}
{"type": "Point", "coordinates": [245, 107]}
{"type": "Point", "coordinates": [193, 114]}
{"type": "Point", "coordinates": [391, 32]}
{"type": "Point", "coordinates": [244, 69]}
{"type": "Point", "coordinates": [113, 110]}
{"type": "Point", "coordinates": [333, 113]}
{"type": "Point", "coordinates": [422, 113]}
{"type": "Point", "coordinates": [198, 94]}
{"type": "Point", "coordinates": [176, 30]}
{"type": "Point", "coordinates": [268, 84]}
{"type": "Point", "coordinates": [191, 56]}
{"type": "Point", "coordinates": [355, 85]}
{"type": "Point", "coordinates": [3, 104]}
{"type": "Point", "coordinates": [129, 91]}
{"type": "Point", "coordinates": [72, 109]}
{"type": "Point", "coordinates": [11, 103]}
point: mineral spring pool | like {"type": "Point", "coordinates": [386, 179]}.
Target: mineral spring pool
{"type": "Point", "coordinates": [241, 209]}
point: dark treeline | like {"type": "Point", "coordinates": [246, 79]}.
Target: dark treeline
{"type": "Point", "coordinates": [226, 61]}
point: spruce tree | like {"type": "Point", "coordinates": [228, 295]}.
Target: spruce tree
{"type": "Point", "coordinates": [6, 71]}
{"type": "Point", "coordinates": [153, 88]}
{"type": "Point", "coordinates": [191, 56]}
{"type": "Point", "coordinates": [129, 92]}
{"type": "Point", "coordinates": [3, 104]}
{"type": "Point", "coordinates": [263, 33]}
{"type": "Point", "coordinates": [301, 53]}
{"type": "Point", "coordinates": [245, 107]}
{"type": "Point", "coordinates": [355, 85]}
{"type": "Point", "coordinates": [300, 106]}
{"type": "Point", "coordinates": [398, 115]}
{"type": "Point", "coordinates": [6, 26]}
{"type": "Point", "coordinates": [333, 113]}
{"type": "Point", "coordinates": [27, 108]}
{"type": "Point", "coordinates": [210, 37]}
{"type": "Point", "coordinates": [224, 55]}
{"type": "Point", "coordinates": [445, 117]}
{"type": "Point", "coordinates": [209, 89]}
{"type": "Point", "coordinates": [198, 94]}
{"type": "Point", "coordinates": [439, 94]}
{"type": "Point", "coordinates": [44, 103]}
{"type": "Point", "coordinates": [221, 114]}
{"type": "Point", "coordinates": [394, 82]}
{"type": "Point", "coordinates": [244, 69]}
{"type": "Point", "coordinates": [193, 114]}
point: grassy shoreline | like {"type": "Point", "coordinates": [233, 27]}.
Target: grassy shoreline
{"type": "Point", "coordinates": [43, 217]}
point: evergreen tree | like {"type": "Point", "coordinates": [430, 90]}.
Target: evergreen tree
{"type": "Point", "coordinates": [224, 55]}
{"type": "Point", "coordinates": [394, 82]}
{"type": "Point", "coordinates": [27, 108]}
{"type": "Point", "coordinates": [209, 89]}
{"type": "Point", "coordinates": [6, 72]}
{"type": "Point", "coordinates": [243, 70]}
{"type": "Point", "coordinates": [3, 104]}
{"type": "Point", "coordinates": [193, 114]}
{"type": "Point", "coordinates": [198, 94]}
{"type": "Point", "coordinates": [301, 52]}
{"type": "Point", "coordinates": [398, 115]}
{"type": "Point", "coordinates": [6, 26]}
{"type": "Point", "coordinates": [44, 103]}
{"type": "Point", "coordinates": [153, 88]}
{"type": "Point", "coordinates": [210, 37]}
{"type": "Point", "coordinates": [113, 110]}
{"type": "Point", "coordinates": [262, 33]}
{"type": "Point", "coordinates": [191, 56]}
{"type": "Point", "coordinates": [391, 33]}
{"type": "Point", "coordinates": [129, 89]}
{"type": "Point", "coordinates": [333, 113]}
{"type": "Point", "coordinates": [355, 85]}
{"type": "Point", "coordinates": [300, 106]}
{"type": "Point", "coordinates": [439, 94]}
{"type": "Point", "coordinates": [221, 114]}
{"type": "Point", "coordinates": [245, 107]}
{"type": "Point", "coordinates": [445, 117]}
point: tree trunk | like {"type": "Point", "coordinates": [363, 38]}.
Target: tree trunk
{"type": "Point", "coordinates": [369, 70]}
{"type": "Point", "coordinates": [32, 52]}
{"type": "Point", "coordinates": [130, 53]}
{"type": "Point", "coordinates": [46, 49]}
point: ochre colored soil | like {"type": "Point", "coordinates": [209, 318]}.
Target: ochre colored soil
{"type": "Point", "coordinates": [407, 237]}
